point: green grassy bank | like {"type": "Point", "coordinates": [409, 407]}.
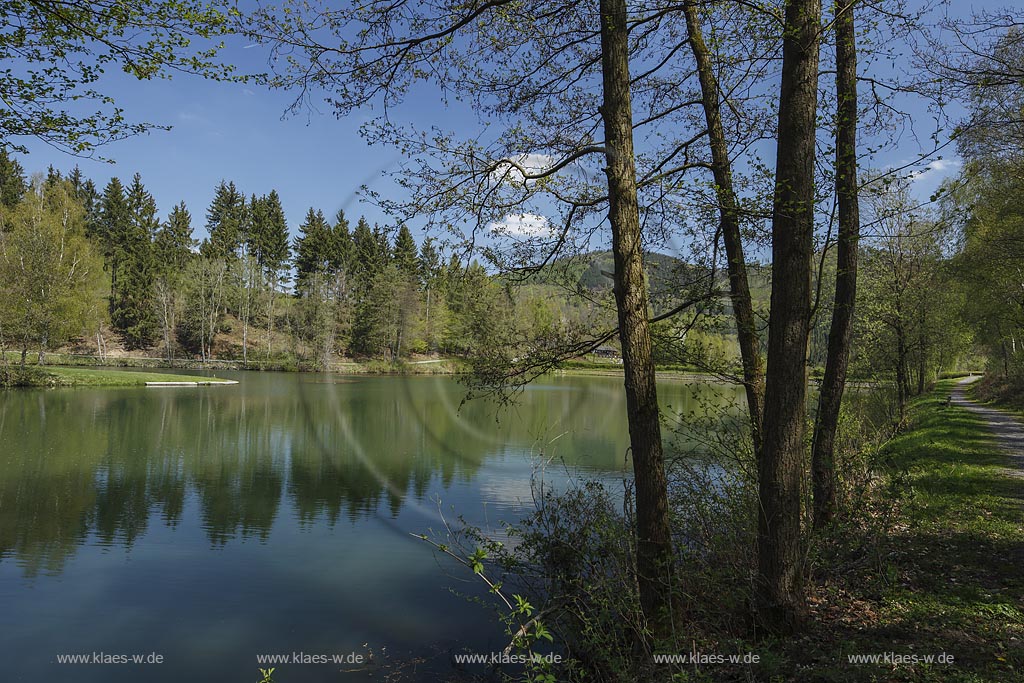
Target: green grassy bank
{"type": "Point", "coordinates": [936, 564]}
{"type": "Point", "coordinates": [49, 376]}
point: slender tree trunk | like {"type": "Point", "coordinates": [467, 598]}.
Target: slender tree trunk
{"type": "Point", "coordinates": [922, 362]}
{"type": "Point", "coordinates": [728, 206]}
{"type": "Point", "coordinates": [780, 591]}
{"type": "Point", "coordinates": [426, 327]}
{"type": "Point", "coordinates": [245, 341]}
{"type": "Point", "coordinates": [270, 321]}
{"type": "Point", "coordinates": [654, 540]}
{"type": "Point", "coordinates": [838, 359]}
{"type": "Point", "coordinates": [246, 308]}
{"type": "Point", "coordinates": [902, 385]}
{"type": "Point", "coordinates": [3, 352]}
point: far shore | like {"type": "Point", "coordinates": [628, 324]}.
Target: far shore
{"type": "Point", "coordinates": [51, 376]}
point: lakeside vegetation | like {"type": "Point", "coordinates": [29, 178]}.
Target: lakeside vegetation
{"type": "Point", "coordinates": [50, 376]}
{"type": "Point", "coordinates": [931, 565]}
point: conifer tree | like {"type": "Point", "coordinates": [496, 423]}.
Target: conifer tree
{"type": "Point", "coordinates": [364, 258]}
{"type": "Point", "coordinates": [405, 255]}
{"type": "Point", "coordinates": [172, 249]}
{"type": "Point", "coordinates": [429, 264]}
{"type": "Point", "coordinates": [268, 239]}
{"type": "Point", "coordinates": [174, 242]}
{"type": "Point", "coordinates": [226, 222]}
{"type": "Point", "coordinates": [268, 232]}
{"type": "Point", "coordinates": [133, 312]}
{"type": "Point", "coordinates": [311, 249]}
{"type": "Point", "coordinates": [12, 180]}
{"type": "Point", "coordinates": [113, 226]}
{"type": "Point", "coordinates": [341, 250]}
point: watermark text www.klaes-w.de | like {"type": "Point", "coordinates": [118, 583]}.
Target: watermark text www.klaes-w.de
{"type": "Point", "coordinates": [506, 658]}
{"type": "Point", "coordinates": [896, 658]}
{"type": "Point", "coordinates": [312, 658]}
{"type": "Point", "coordinates": [694, 657]}
{"type": "Point", "coordinates": [110, 658]}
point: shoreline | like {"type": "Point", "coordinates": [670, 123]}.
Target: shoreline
{"type": "Point", "coordinates": [450, 366]}
{"type": "Point", "coordinates": [53, 377]}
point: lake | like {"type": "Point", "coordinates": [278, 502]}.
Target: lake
{"type": "Point", "coordinates": [208, 526]}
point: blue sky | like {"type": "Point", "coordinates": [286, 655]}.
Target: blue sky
{"type": "Point", "coordinates": [236, 132]}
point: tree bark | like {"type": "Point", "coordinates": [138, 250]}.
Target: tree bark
{"type": "Point", "coordinates": [838, 357]}
{"type": "Point", "coordinates": [780, 596]}
{"type": "Point", "coordinates": [922, 362]}
{"type": "Point", "coordinates": [902, 383]}
{"type": "Point", "coordinates": [654, 540]}
{"type": "Point", "coordinates": [729, 223]}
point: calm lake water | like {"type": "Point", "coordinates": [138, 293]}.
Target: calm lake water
{"type": "Point", "coordinates": [212, 525]}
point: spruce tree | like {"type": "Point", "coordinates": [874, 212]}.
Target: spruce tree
{"type": "Point", "coordinates": [268, 236]}
{"type": "Point", "coordinates": [370, 256]}
{"type": "Point", "coordinates": [12, 180]}
{"type": "Point", "coordinates": [173, 244]}
{"type": "Point", "coordinates": [340, 250]}
{"type": "Point", "coordinates": [111, 230]}
{"type": "Point", "coordinates": [255, 223]}
{"type": "Point", "coordinates": [134, 313]}
{"type": "Point", "coordinates": [172, 251]}
{"type": "Point", "coordinates": [430, 273]}
{"type": "Point", "coordinates": [268, 233]}
{"type": "Point", "coordinates": [91, 201]}
{"type": "Point", "coordinates": [53, 177]}
{"type": "Point", "coordinates": [365, 263]}
{"type": "Point", "coordinates": [311, 249]}
{"type": "Point", "coordinates": [226, 222]}
{"type": "Point", "coordinates": [405, 256]}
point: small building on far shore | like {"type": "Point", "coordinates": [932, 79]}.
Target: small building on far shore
{"type": "Point", "coordinates": [609, 352]}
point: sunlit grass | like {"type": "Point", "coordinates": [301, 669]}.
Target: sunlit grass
{"type": "Point", "coordinates": [49, 376]}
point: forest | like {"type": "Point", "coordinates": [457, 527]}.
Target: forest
{"type": "Point", "coordinates": [82, 266]}
{"type": "Point", "coordinates": [99, 268]}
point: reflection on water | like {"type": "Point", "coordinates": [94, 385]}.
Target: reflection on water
{"type": "Point", "coordinates": [272, 514]}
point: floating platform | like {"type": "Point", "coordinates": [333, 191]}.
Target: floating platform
{"type": "Point", "coordinates": [191, 384]}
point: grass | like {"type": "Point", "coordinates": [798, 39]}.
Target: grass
{"type": "Point", "coordinates": [937, 571]}
{"type": "Point", "coordinates": [1000, 392]}
{"type": "Point", "coordinates": [50, 376]}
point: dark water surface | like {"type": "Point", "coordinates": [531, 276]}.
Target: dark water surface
{"type": "Point", "coordinates": [212, 525]}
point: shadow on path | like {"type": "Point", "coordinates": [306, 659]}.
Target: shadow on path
{"type": "Point", "coordinates": [1009, 432]}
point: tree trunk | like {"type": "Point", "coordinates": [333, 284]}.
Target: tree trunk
{"type": "Point", "coordinates": [780, 592]}
{"type": "Point", "coordinates": [246, 309]}
{"type": "Point", "coordinates": [654, 540]}
{"type": "Point", "coordinates": [922, 359]}
{"type": "Point", "coordinates": [838, 359]}
{"type": "Point", "coordinates": [429, 332]}
{"type": "Point", "coordinates": [44, 341]}
{"type": "Point", "coordinates": [270, 322]}
{"type": "Point", "coordinates": [728, 206]}
{"type": "Point", "coordinates": [902, 384]}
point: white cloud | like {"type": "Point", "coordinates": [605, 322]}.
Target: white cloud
{"type": "Point", "coordinates": [936, 169]}
{"type": "Point", "coordinates": [521, 225]}
{"type": "Point", "coordinates": [533, 163]}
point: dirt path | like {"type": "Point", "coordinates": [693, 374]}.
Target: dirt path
{"type": "Point", "coordinates": [1009, 432]}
